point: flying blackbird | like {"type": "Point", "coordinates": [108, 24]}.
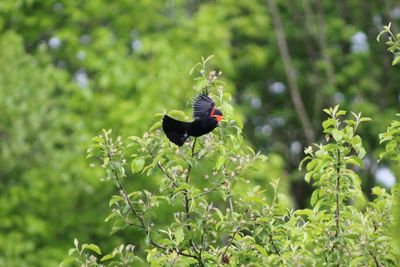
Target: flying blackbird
{"type": "Point", "coordinates": [206, 118]}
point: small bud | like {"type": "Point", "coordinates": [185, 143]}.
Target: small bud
{"type": "Point", "coordinates": [130, 248]}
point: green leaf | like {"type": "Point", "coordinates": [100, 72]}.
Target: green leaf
{"type": "Point", "coordinates": [147, 240]}
{"type": "Point", "coordinates": [327, 111]}
{"type": "Point", "coordinates": [308, 176]}
{"type": "Point", "coordinates": [92, 247]}
{"type": "Point", "coordinates": [306, 212]}
{"type": "Point", "coordinates": [274, 183]}
{"type": "Point", "coordinates": [359, 261]}
{"type": "Point", "coordinates": [220, 215]}
{"type": "Point", "coordinates": [71, 251]}
{"type": "Point", "coordinates": [312, 164]}
{"type": "Point", "coordinates": [106, 160]}
{"type": "Point", "coordinates": [137, 165]}
{"type": "Point", "coordinates": [107, 257]}
{"type": "Point", "coordinates": [179, 235]}
{"type": "Point", "coordinates": [337, 135]}
{"type": "Point", "coordinates": [354, 161]}
{"type": "Point", "coordinates": [363, 119]}
{"type": "Point", "coordinates": [219, 163]}
{"type": "Point", "coordinates": [114, 199]}
{"type": "Point", "coordinates": [155, 126]}
{"type": "Point", "coordinates": [362, 153]}
{"type": "Point", "coordinates": [328, 123]}
{"type": "Point", "coordinates": [335, 109]}
{"type": "Point", "coordinates": [251, 150]}
{"type": "Point", "coordinates": [261, 250]}
{"type": "Point", "coordinates": [67, 261]}
{"type": "Point", "coordinates": [356, 142]}
{"type": "Point", "coordinates": [177, 114]}
{"type": "Point", "coordinates": [314, 197]}
{"type": "Point", "coordinates": [396, 59]}
{"type": "Point", "coordinates": [110, 216]}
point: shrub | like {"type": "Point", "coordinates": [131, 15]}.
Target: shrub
{"type": "Point", "coordinates": [229, 221]}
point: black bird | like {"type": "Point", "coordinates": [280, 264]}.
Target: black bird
{"type": "Point", "coordinates": [206, 118]}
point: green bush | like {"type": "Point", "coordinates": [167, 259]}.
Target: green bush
{"type": "Point", "coordinates": [229, 221]}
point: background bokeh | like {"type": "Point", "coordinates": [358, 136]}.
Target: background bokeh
{"type": "Point", "coordinates": [70, 68]}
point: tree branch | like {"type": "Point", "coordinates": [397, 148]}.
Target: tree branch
{"type": "Point", "coordinates": [164, 171]}
{"type": "Point", "coordinates": [290, 73]}
{"type": "Point", "coordinates": [125, 195]}
{"type": "Point", "coordinates": [337, 212]}
{"type": "Point", "coordinates": [330, 73]}
{"type": "Point", "coordinates": [230, 243]}
{"type": "Point", "coordinates": [229, 189]}
{"type": "Point", "coordinates": [208, 191]}
{"type": "Point", "coordinates": [187, 201]}
{"type": "Point", "coordinates": [273, 245]}
{"type": "Point", "coordinates": [375, 259]}
{"type": "Point", "coordinates": [177, 250]}
{"type": "Point", "coordinates": [185, 192]}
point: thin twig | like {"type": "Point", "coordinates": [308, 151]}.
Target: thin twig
{"type": "Point", "coordinates": [214, 187]}
{"type": "Point", "coordinates": [127, 200]}
{"type": "Point", "coordinates": [164, 171]}
{"type": "Point", "coordinates": [337, 212]}
{"type": "Point", "coordinates": [230, 242]}
{"type": "Point", "coordinates": [177, 250]}
{"type": "Point", "coordinates": [271, 240]}
{"type": "Point", "coordinates": [370, 252]}
{"type": "Point", "coordinates": [229, 188]}
{"type": "Point", "coordinates": [187, 200]}
{"type": "Point", "coordinates": [208, 191]}
{"type": "Point", "coordinates": [326, 260]}
{"type": "Point", "coordinates": [190, 165]}
{"type": "Point", "coordinates": [125, 195]}
{"type": "Point", "coordinates": [230, 200]}
{"type": "Point", "coordinates": [273, 245]}
{"type": "Point", "coordinates": [375, 259]}
{"type": "Point", "coordinates": [185, 192]}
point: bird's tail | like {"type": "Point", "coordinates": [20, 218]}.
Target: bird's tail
{"type": "Point", "coordinates": [175, 130]}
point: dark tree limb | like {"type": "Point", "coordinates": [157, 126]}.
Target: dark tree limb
{"type": "Point", "coordinates": [290, 73]}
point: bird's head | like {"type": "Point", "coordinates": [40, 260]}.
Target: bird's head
{"type": "Point", "coordinates": [217, 115]}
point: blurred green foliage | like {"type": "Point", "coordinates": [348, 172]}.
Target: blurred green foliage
{"type": "Point", "coordinates": [70, 68]}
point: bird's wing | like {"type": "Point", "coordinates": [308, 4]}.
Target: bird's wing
{"type": "Point", "coordinates": [203, 106]}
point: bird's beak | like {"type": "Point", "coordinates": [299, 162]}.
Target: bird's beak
{"type": "Point", "coordinates": [218, 117]}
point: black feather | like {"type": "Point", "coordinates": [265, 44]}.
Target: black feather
{"type": "Point", "coordinates": [175, 130]}
{"type": "Point", "coordinates": [203, 105]}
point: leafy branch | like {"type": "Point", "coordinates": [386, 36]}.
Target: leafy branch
{"type": "Point", "coordinates": [393, 43]}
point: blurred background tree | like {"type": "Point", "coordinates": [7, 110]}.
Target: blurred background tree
{"type": "Point", "coordinates": [70, 68]}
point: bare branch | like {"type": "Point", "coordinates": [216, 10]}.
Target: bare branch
{"type": "Point", "coordinates": [291, 73]}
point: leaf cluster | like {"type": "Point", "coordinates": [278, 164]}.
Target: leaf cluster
{"type": "Point", "coordinates": [393, 43]}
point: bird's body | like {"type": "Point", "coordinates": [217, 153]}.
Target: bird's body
{"type": "Point", "coordinates": [206, 119]}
